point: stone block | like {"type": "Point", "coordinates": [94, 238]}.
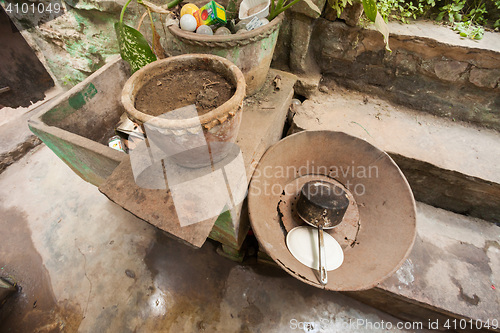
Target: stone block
{"type": "Point", "coordinates": [426, 68]}
{"type": "Point", "coordinates": [484, 78]}
{"type": "Point", "coordinates": [302, 8]}
{"type": "Point", "coordinates": [334, 41]}
{"type": "Point", "coordinates": [377, 75]}
{"type": "Point", "coordinates": [301, 32]}
{"type": "Point", "coordinates": [449, 70]}
{"type": "Point", "coordinates": [418, 65]}
{"type": "Point", "coordinates": [307, 85]}
{"type": "Point", "coordinates": [350, 15]}
{"type": "Point", "coordinates": [405, 63]}
{"type": "Point", "coordinates": [281, 56]}
{"type": "Point", "coordinates": [450, 274]}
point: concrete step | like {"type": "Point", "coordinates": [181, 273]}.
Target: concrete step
{"type": "Point", "coordinates": [450, 165]}
{"type": "Point", "coordinates": [450, 278]}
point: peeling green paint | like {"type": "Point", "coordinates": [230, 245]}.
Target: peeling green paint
{"type": "Point", "coordinates": [74, 103]}
{"type": "Point", "coordinates": [223, 230]}
{"type": "Point", "coordinates": [236, 52]}
{"type": "Point", "coordinates": [267, 45]}
{"type": "Point", "coordinates": [81, 98]}
{"type": "Point", "coordinates": [66, 152]}
{"type": "Point", "coordinates": [83, 41]}
{"type": "Point", "coordinates": [224, 220]}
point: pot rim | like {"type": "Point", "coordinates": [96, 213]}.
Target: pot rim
{"type": "Point", "coordinates": [235, 38]}
{"type": "Point", "coordinates": [218, 115]}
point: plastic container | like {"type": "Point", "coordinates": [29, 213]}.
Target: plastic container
{"type": "Point", "coordinates": [251, 8]}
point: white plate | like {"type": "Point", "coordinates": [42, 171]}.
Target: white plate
{"type": "Point", "coordinates": [302, 242]}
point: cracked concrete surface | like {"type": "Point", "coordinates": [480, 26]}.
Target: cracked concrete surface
{"type": "Point", "coordinates": [86, 265]}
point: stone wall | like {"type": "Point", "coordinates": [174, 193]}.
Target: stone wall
{"type": "Point", "coordinates": [444, 79]}
{"type": "Point", "coordinates": [446, 76]}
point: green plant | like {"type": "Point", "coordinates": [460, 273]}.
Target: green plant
{"type": "Point", "coordinates": [134, 48]}
{"type": "Point", "coordinates": [402, 10]}
{"type": "Point", "coordinates": [469, 29]}
{"type": "Point", "coordinates": [467, 19]}
{"type": "Point", "coordinates": [451, 11]}
{"type": "Point", "coordinates": [477, 14]}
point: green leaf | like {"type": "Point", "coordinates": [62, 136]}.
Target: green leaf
{"type": "Point", "coordinates": [370, 8]}
{"type": "Point", "coordinates": [335, 5]}
{"type": "Point", "coordinates": [313, 6]}
{"type": "Point", "coordinates": [134, 48]}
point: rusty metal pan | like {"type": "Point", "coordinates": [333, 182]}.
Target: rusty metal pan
{"type": "Point", "coordinates": [387, 213]}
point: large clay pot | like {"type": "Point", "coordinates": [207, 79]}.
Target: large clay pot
{"type": "Point", "coordinates": [251, 51]}
{"type": "Point", "coordinates": [196, 141]}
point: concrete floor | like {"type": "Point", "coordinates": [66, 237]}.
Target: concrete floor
{"type": "Point", "coordinates": [86, 265]}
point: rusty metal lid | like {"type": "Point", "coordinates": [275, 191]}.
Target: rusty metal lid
{"type": "Point", "coordinates": [380, 199]}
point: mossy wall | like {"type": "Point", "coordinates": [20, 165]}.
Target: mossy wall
{"type": "Point", "coordinates": [77, 43]}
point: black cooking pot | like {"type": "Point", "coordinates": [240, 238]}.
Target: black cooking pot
{"type": "Point", "coordinates": [321, 202]}
{"type": "Point", "coordinates": [322, 205]}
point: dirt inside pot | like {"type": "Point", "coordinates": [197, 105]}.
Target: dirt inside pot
{"type": "Point", "coordinates": [169, 91]}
